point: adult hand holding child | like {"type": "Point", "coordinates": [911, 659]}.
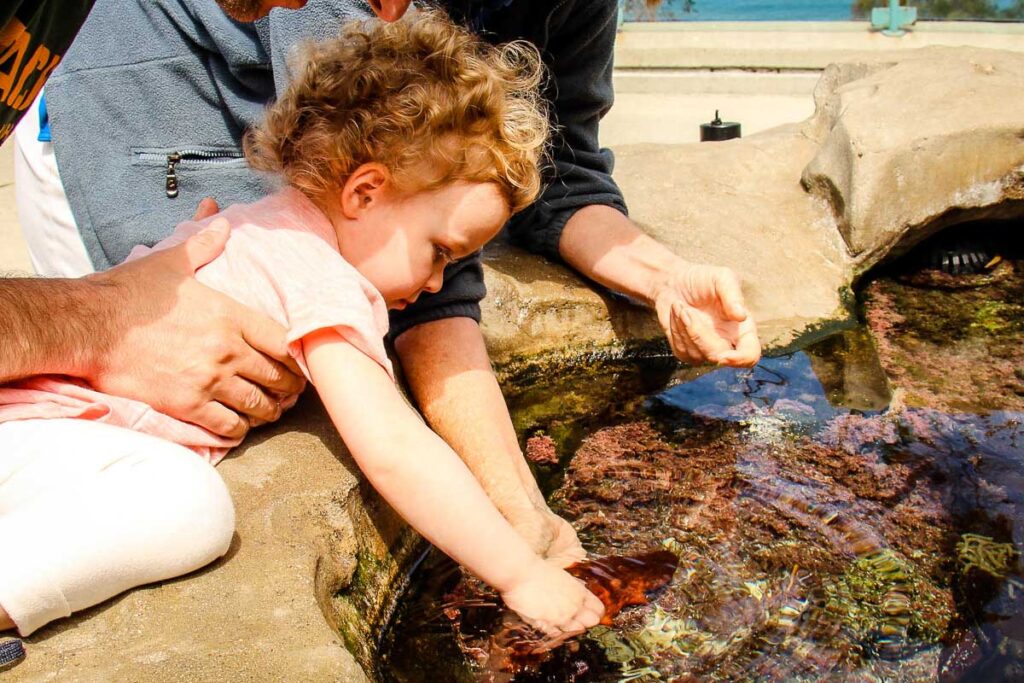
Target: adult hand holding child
{"type": "Point", "coordinates": [186, 349]}
{"type": "Point", "coordinates": [378, 204]}
{"type": "Point", "coordinates": [147, 330]}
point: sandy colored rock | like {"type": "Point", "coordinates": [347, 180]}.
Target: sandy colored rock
{"type": "Point", "coordinates": [257, 614]}
{"type": "Point", "coordinates": [895, 151]}
{"type": "Point", "coordinates": [740, 204]}
{"type": "Point", "coordinates": [912, 146]}
{"type": "Point", "coordinates": [736, 203]}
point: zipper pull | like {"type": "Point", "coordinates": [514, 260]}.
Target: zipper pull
{"type": "Point", "coordinates": [172, 178]}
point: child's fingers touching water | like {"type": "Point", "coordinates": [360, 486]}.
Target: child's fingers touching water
{"type": "Point", "coordinates": [551, 600]}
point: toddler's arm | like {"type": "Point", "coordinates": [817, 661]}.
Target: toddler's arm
{"type": "Point", "coordinates": [427, 483]}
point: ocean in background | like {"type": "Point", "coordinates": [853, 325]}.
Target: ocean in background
{"type": "Point", "coordinates": [749, 10]}
{"type": "Point", "coordinates": [741, 10]}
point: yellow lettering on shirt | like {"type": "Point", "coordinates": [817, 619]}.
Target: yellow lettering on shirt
{"type": "Point", "coordinates": [38, 62]}
{"type": "Point", "coordinates": [21, 79]}
{"type": "Point", "coordinates": [14, 41]}
{"type": "Point", "coordinates": [31, 97]}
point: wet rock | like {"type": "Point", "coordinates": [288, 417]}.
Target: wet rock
{"type": "Point", "coordinates": [797, 558]}
{"type": "Point", "coordinates": [959, 656]}
{"type": "Point", "coordinates": [793, 558]}
{"type": "Point", "coordinates": [952, 349]}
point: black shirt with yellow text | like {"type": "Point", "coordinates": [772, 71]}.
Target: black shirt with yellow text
{"type": "Point", "coordinates": [33, 37]}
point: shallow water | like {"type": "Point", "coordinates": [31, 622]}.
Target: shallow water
{"type": "Point", "coordinates": [826, 528]}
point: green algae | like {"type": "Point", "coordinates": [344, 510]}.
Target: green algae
{"type": "Point", "coordinates": [635, 650]}
{"type": "Point", "coordinates": [997, 317]}
{"type": "Point", "coordinates": [873, 600]}
{"type": "Point", "coordinates": [985, 554]}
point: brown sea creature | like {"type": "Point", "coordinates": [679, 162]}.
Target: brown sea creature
{"type": "Point", "coordinates": [515, 647]}
{"type": "Point", "coordinates": [621, 581]}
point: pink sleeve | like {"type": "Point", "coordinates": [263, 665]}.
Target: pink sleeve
{"type": "Point", "coordinates": [297, 278]}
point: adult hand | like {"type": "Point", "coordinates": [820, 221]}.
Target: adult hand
{"type": "Point", "coordinates": [565, 549]}
{"type": "Point", "coordinates": [187, 350]}
{"type": "Point", "coordinates": [550, 536]}
{"type": "Point", "coordinates": [701, 309]}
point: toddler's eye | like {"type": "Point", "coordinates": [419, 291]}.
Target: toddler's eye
{"type": "Point", "coordinates": [443, 254]}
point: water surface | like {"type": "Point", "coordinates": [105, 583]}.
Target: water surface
{"type": "Point", "coordinates": [830, 523]}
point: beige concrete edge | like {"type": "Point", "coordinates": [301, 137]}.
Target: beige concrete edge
{"type": "Point", "coordinates": [792, 45]}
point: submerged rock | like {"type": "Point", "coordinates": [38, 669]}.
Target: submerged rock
{"type": "Point", "coordinates": [796, 559]}
{"type": "Point", "coordinates": [799, 558]}
{"type": "Point", "coordinates": [952, 343]}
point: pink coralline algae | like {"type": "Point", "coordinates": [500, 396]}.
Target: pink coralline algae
{"type": "Point", "coordinates": [796, 558]}
{"type": "Point", "coordinates": [954, 350]}
{"type": "Point", "coordinates": [540, 449]}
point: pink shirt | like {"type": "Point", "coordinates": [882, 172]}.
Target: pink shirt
{"type": "Point", "coordinates": [282, 259]}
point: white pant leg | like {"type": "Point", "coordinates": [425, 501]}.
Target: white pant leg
{"type": "Point", "coordinates": [54, 243]}
{"type": "Point", "coordinates": [88, 510]}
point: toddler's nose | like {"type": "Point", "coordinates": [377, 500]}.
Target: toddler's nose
{"type": "Point", "coordinates": [433, 285]}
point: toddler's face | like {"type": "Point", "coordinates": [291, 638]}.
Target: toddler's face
{"type": "Point", "coordinates": [403, 243]}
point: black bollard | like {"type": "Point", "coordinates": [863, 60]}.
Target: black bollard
{"type": "Point", "coordinates": [719, 130]}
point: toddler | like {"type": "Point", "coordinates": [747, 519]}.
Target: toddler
{"type": "Point", "coordinates": [405, 148]}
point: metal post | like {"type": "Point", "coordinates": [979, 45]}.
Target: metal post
{"type": "Point", "coordinates": [893, 19]}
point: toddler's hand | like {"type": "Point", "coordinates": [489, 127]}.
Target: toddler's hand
{"type": "Point", "coordinates": [554, 602]}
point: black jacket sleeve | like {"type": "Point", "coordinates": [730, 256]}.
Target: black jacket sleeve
{"type": "Point", "coordinates": [579, 48]}
{"type": "Point", "coordinates": [577, 41]}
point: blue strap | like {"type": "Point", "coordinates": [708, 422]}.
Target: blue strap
{"type": "Point", "coordinates": [44, 121]}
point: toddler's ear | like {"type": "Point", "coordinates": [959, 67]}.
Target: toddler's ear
{"type": "Point", "coordinates": [364, 189]}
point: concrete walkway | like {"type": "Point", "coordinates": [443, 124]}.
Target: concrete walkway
{"type": "Point", "coordinates": [13, 255]}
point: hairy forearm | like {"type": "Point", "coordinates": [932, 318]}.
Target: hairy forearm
{"type": "Point", "coordinates": [411, 467]}
{"type": "Point", "coordinates": [449, 373]}
{"type": "Point", "coordinates": [51, 326]}
{"type": "Point", "coordinates": [607, 247]}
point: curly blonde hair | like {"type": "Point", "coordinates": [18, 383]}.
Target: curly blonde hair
{"type": "Point", "coordinates": [426, 98]}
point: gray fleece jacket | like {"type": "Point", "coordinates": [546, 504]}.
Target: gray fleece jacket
{"type": "Point", "coordinates": [150, 104]}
